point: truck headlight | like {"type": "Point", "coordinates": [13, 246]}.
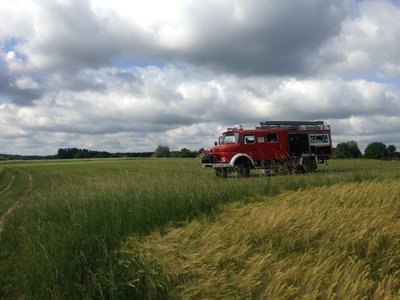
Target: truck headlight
{"type": "Point", "coordinates": [223, 160]}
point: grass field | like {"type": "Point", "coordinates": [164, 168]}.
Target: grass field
{"type": "Point", "coordinates": [165, 228]}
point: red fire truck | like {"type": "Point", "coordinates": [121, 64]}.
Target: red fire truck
{"type": "Point", "coordinates": [275, 146]}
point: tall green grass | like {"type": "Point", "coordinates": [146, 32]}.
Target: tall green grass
{"type": "Point", "coordinates": [63, 243]}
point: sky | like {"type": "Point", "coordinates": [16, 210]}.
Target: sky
{"type": "Point", "coordinates": [127, 76]}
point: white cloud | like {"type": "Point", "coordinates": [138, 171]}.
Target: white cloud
{"type": "Point", "coordinates": [368, 43]}
{"type": "Point", "coordinates": [26, 82]}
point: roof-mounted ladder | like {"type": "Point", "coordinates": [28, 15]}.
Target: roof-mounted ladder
{"type": "Point", "coordinates": [319, 125]}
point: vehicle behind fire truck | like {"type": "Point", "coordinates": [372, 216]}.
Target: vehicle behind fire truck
{"type": "Point", "coordinates": [275, 146]}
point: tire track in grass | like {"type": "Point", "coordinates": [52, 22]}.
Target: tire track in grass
{"type": "Point", "coordinates": [8, 186]}
{"type": "Point", "coordinates": [18, 203]}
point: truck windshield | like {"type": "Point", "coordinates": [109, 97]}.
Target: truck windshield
{"type": "Point", "coordinates": [230, 138]}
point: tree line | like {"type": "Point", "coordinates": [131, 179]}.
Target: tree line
{"type": "Point", "coordinates": [375, 150]}
{"type": "Point", "coordinates": [69, 153]}
{"type": "Point", "coordinates": [161, 151]}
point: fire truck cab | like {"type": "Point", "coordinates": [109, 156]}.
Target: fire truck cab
{"type": "Point", "coordinates": [274, 146]}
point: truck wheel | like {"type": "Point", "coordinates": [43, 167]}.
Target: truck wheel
{"type": "Point", "coordinates": [242, 169]}
{"type": "Point", "coordinates": [309, 165]}
{"type": "Point", "coordinates": [313, 165]}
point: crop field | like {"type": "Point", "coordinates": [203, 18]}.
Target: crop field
{"type": "Point", "coordinates": [168, 229]}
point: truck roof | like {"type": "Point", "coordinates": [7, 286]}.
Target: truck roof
{"type": "Point", "coordinates": [285, 126]}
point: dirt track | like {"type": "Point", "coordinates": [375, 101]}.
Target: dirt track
{"type": "Point", "coordinates": [17, 203]}
{"type": "Point", "coordinates": [8, 186]}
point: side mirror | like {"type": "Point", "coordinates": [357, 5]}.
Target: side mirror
{"type": "Point", "coordinates": [215, 143]}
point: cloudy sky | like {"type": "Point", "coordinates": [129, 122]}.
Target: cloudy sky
{"type": "Point", "coordinates": [130, 75]}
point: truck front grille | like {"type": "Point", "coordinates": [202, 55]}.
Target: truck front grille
{"type": "Point", "coordinates": [209, 159]}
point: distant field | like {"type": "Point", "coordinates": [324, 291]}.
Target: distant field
{"type": "Point", "coordinates": [83, 229]}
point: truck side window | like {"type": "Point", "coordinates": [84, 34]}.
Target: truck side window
{"type": "Point", "coordinates": [272, 138]}
{"type": "Point", "coordinates": [260, 139]}
{"type": "Point", "coordinates": [248, 138]}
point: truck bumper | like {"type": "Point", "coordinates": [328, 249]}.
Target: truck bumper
{"type": "Point", "coordinates": [216, 166]}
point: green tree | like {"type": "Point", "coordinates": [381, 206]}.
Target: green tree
{"type": "Point", "coordinates": [342, 151]}
{"type": "Point", "coordinates": [162, 151]}
{"type": "Point", "coordinates": [355, 151]}
{"type": "Point", "coordinates": [376, 150]}
{"type": "Point", "coordinates": [185, 153]}
{"type": "Point", "coordinates": [391, 149]}
{"type": "Point", "coordinates": [347, 150]}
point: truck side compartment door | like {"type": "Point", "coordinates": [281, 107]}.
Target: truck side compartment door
{"type": "Point", "coordinates": [298, 144]}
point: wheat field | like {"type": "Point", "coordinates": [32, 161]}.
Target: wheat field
{"type": "Point", "coordinates": [337, 242]}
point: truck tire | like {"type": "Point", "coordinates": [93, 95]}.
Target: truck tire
{"type": "Point", "coordinates": [242, 169]}
{"type": "Point", "coordinates": [309, 165]}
